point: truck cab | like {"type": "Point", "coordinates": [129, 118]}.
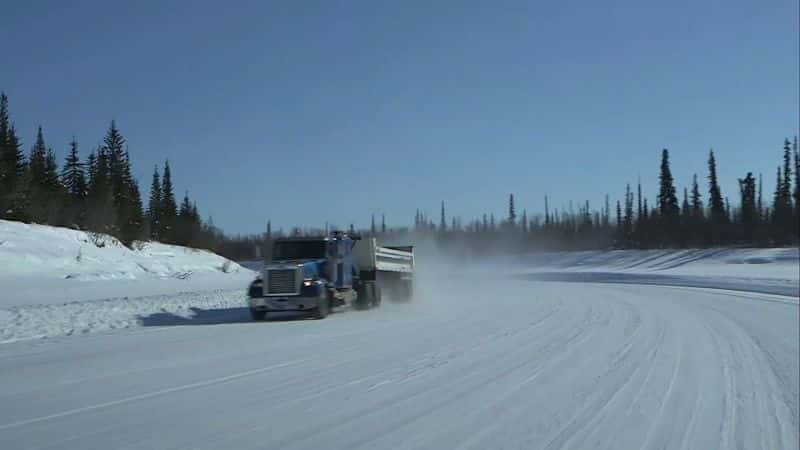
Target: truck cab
{"type": "Point", "coordinates": [309, 274]}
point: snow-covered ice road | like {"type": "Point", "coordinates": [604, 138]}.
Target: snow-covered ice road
{"type": "Point", "coordinates": [472, 364]}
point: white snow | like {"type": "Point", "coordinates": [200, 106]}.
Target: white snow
{"type": "Point", "coordinates": [470, 364]}
{"type": "Point", "coordinates": [42, 264]}
{"type": "Point", "coordinates": [751, 263]}
{"type": "Point", "coordinates": [478, 360]}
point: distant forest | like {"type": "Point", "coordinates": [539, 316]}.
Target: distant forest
{"type": "Point", "coordinates": [96, 194]}
{"type": "Point", "coordinates": [99, 194]}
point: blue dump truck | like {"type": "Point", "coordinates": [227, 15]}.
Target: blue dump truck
{"type": "Point", "coordinates": [316, 274]}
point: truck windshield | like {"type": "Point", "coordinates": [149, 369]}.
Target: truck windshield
{"type": "Point", "coordinates": [299, 250]}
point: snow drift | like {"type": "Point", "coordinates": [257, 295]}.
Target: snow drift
{"type": "Point", "coordinates": [44, 264]}
{"type": "Point", "coordinates": [44, 251]}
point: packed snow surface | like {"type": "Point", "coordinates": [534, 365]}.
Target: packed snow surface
{"type": "Point", "coordinates": [568, 351]}
{"type": "Point", "coordinates": [751, 263]}
{"type": "Point", "coordinates": [469, 364]}
{"type": "Point", "coordinates": [771, 270]}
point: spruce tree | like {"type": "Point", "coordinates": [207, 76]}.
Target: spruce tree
{"type": "Point", "coordinates": [546, 212]}
{"type": "Point", "coordinates": [91, 168]}
{"type": "Point", "coordinates": [749, 213]}
{"type": "Point", "coordinates": [169, 209]}
{"type": "Point", "coordinates": [73, 175]}
{"type": "Point", "coordinates": [760, 201]}
{"type": "Point", "coordinates": [37, 185]}
{"type": "Point", "coordinates": [667, 200]}
{"type": "Point", "coordinates": [715, 202]}
{"type": "Point", "coordinates": [786, 185]}
{"type": "Point", "coordinates": [5, 124]}
{"type": "Point", "coordinates": [133, 227]}
{"type": "Point", "coordinates": [38, 160]}
{"type": "Point", "coordinates": [4, 169]}
{"type": "Point", "coordinates": [12, 167]}
{"type": "Point", "coordinates": [114, 145]}
{"type": "Point", "coordinates": [119, 174]}
{"type": "Point", "coordinates": [73, 178]}
{"type": "Point", "coordinates": [16, 201]}
{"type": "Point", "coordinates": [54, 191]}
{"type": "Point", "coordinates": [442, 219]}
{"type": "Point", "coordinates": [627, 220]}
{"type": "Point", "coordinates": [372, 226]}
{"type": "Point", "coordinates": [586, 215]}
{"type": "Point", "coordinates": [785, 221]}
{"type": "Point", "coordinates": [154, 206]}
{"type": "Point", "coordinates": [668, 209]}
{"type": "Point", "coordinates": [101, 214]}
{"type": "Point", "coordinates": [697, 202]}
{"type": "Point", "coordinates": [186, 230]}
{"type": "Point", "coordinates": [16, 159]}
{"type": "Point", "coordinates": [686, 213]}
{"type": "Point", "coordinates": [729, 210]}
{"type": "Point", "coordinates": [796, 193]}
{"type": "Point", "coordinates": [639, 200]}
{"type": "Point", "coordinates": [512, 214]}
{"type": "Point", "coordinates": [645, 211]}
{"type": "Point", "coordinates": [777, 198]}
{"type": "Point", "coordinates": [51, 179]}
{"type": "Point", "coordinates": [383, 223]}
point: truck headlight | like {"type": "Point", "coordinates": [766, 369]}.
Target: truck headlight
{"type": "Point", "coordinates": [308, 282]}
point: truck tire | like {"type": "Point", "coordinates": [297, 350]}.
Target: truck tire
{"type": "Point", "coordinates": [257, 315]}
{"type": "Point", "coordinates": [322, 309]}
{"type": "Point", "coordinates": [369, 296]}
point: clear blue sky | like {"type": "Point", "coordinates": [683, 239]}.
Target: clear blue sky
{"type": "Point", "coordinates": [306, 111]}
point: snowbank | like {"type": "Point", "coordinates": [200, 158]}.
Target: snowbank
{"type": "Point", "coordinates": [18, 323]}
{"type": "Point", "coordinates": [42, 264]}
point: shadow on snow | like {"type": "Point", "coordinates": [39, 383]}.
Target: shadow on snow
{"type": "Point", "coordinates": [201, 316]}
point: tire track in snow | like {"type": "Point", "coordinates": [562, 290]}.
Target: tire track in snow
{"type": "Point", "coordinates": [469, 379]}
{"type": "Point", "coordinates": [517, 409]}
{"type": "Point", "coordinates": [592, 411]}
{"type": "Point", "coordinates": [148, 395]}
{"type": "Point", "coordinates": [567, 347]}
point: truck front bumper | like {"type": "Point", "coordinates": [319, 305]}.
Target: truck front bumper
{"type": "Point", "coordinates": [293, 303]}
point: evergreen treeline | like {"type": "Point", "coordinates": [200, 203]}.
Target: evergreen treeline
{"type": "Point", "coordinates": [97, 194]}
{"type": "Point", "coordinates": [672, 222]}
{"type": "Point", "coordinates": [701, 216]}
{"type": "Point", "coordinates": [100, 194]}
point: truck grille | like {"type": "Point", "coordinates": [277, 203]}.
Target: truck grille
{"type": "Point", "coordinates": [282, 281]}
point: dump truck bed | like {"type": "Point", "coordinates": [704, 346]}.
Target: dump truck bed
{"type": "Point", "coordinates": [370, 256]}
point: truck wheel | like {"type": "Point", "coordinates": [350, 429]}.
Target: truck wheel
{"type": "Point", "coordinates": [257, 315]}
{"type": "Point", "coordinates": [364, 296]}
{"type": "Point", "coordinates": [323, 308]}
